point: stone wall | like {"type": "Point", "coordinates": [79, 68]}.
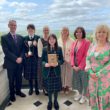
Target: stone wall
{"type": "Point", "coordinates": [4, 89]}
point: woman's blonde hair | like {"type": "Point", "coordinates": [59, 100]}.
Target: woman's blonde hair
{"type": "Point", "coordinates": [45, 27]}
{"type": "Point", "coordinates": [102, 27]}
{"type": "Point", "coordinates": [65, 28]}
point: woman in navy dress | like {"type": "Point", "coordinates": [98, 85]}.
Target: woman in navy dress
{"type": "Point", "coordinates": [51, 71]}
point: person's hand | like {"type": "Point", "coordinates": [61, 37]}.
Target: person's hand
{"type": "Point", "coordinates": [28, 55]}
{"type": "Point", "coordinates": [54, 65]}
{"type": "Point", "coordinates": [86, 70]}
{"type": "Point", "coordinates": [93, 76]}
{"type": "Point", "coordinates": [47, 65]}
{"type": "Point", "coordinates": [34, 43]}
{"type": "Point", "coordinates": [67, 62]}
{"type": "Point", "coordinates": [19, 60]}
{"type": "Point", "coordinates": [76, 68]}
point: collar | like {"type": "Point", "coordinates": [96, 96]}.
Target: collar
{"type": "Point", "coordinates": [12, 33]}
{"type": "Point", "coordinates": [31, 37]}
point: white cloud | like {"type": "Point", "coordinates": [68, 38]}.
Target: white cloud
{"type": "Point", "coordinates": [64, 7]}
{"type": "Point", "coordinates": [28, 5]}
{"type": "Point", "coordinates": [79, 12]}
{"type": "Point", "coordinates": [1, 8]}
{"type": "Point", "coordinates": [2, 1]}
{"type": "Point", "coordinates": [60, 13]}
{"type": "Point", "coordinates": [17, 10]}
{"type": "Point", "coordinates": [23, 7]}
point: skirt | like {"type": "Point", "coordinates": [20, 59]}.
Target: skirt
{"type": "Point", "coordinates": [30, 68]}
{"type": "Point", "coordinates": [39, 74]}
{"type": "Point", "coordinates": [53, 83]}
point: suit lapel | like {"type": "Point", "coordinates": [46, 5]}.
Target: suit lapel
{"type": "Point", "coordinates": [11, 39]}
{"type": "Point", "coordinates": [18, 40]}
{"type": "Point", "coordinates": [81, 45]}
{"type": "Point", "coordinates": [74, 45]}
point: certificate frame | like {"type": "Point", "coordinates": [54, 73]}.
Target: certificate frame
{"type": "Point", "coordinates": [52, 58]}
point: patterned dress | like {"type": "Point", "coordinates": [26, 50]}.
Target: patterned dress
{"type": "Point", "coordinates": [99, 90]}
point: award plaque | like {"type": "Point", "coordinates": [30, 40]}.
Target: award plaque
{"type": "Point", "coordinates": [52, 58]}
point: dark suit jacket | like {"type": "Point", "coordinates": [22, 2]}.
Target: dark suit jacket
{"type": "Point", "coordinates": [30, 63]}
{"type": "Point", "coordinates": [12, 50]}
{"type": "Point", "coordinates": [32, 48]}
{"type": "Point", "coordinates": [57, 69]}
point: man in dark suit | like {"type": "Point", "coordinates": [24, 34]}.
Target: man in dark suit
{"type": "Point", "coordinates": [12, 45]}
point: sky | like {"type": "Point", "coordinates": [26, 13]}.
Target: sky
{"type": "Point", "coordinates": [55, 13]}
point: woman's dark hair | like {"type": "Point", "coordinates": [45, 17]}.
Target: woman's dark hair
{"type": "Point", "coordinates": [56, 43]}
{"type": "Point", "coordinates": [31, 26]}
{"type": "Point", "coordinates": [83, 32]}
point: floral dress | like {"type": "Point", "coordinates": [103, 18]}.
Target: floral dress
{"type": "Point", "coordinates": [99, 90]}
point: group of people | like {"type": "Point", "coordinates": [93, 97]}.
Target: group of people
{"type": "Point", "coordinates": [81, 65]}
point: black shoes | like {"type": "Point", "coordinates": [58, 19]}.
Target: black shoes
{"type": "Point", "coordinates": [21, 94]}
{"type": "Point", "coordinates": [49, 106]}
{"type": "Point", "coordinates": [30, 92]}
{"type": "Point", "coordinates": [56, 105]}
{"type": "Point", "coordinates": [45, 93]}
{"type": "Point", "coordinates": [8, 104]}
{"type": "Point", "coordinates": [12, 98]}
{"type": "Point", "coordinates": [37, 92]}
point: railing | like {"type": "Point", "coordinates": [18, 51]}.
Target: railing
{"type": "Point", "coordinates": [4, 88]}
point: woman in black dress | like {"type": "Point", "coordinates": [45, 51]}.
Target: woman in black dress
{"type": "Point", "coordinates": [52, 71]}
{"type": "Point", "coordinates": [42, 42]}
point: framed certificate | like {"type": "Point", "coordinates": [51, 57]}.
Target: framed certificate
{"type": "Point", "coordinates": [52, 58]}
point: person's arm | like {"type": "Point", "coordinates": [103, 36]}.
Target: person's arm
{"type": "Point", "coordinates": [72, 55]}
{"type": "Point", "coordinates": [88, 68]}
{"type": "Point", "coordinates": [40, 48]}
{"type": "Point", "coordinates": [44, 57]}
{"type": "Point", "coordinates": [6, 50]}
{"type": "Point", "coordinates": [60, 57]}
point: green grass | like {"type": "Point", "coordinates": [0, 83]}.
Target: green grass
{"type": "Point", "coordinates": [0, 33]}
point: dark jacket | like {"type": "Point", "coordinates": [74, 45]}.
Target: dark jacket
{"type": "Point", "coordinates": [11, 50]}
{"type": "Point", "coordinates": [57, 69]}
{"type": "Point", "coordinates": [30, 63]}
{"type": "Point", "coordinates": [33, 48]}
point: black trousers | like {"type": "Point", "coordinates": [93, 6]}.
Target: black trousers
{"type": "Point", "coordinates": [15, 80]}
{"type": "Point", "coordinates": [35, 83]}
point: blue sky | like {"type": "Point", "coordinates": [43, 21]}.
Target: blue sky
{"type": "Point", "coordinates": [55, 13]}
